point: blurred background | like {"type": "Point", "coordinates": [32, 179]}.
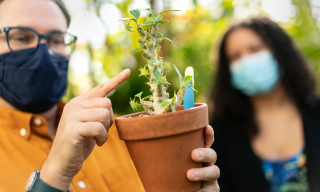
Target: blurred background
{"type": "Point", "coordinates": [104, 46]}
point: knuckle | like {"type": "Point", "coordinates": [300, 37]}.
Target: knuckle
{"type": "Point", "coordinates": [73, 100]}
{"type": "Point", "coordinates": [104, 112]}
{"type": "Point", "coordinates": [70, 106]}
{"type": "Point", "coordinates": [100, 128]}
{"type": "Point", "coordinates": [217, 170]}
{"type": "Point", "coordinates": [215, 155]}
{"type": "Point", "coordinates": [209, 154]}
{"type": "Point", "coordinates": [67, 106]}
{"type": "Point", "coordinates": [107, 102]}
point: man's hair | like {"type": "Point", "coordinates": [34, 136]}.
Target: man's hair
{"type": "Point", "coordinates": [62, 8]}
{"type": "Point", "coordinates": [233, 109]}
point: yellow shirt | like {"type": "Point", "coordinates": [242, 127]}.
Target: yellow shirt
{"type": "Point", "coordinates": [25, 143]}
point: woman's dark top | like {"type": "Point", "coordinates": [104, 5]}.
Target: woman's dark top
{"type": "Point", "coordinates": [240, 168]}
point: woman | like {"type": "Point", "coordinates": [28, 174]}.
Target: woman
{"type": "Point", "coordinates": [267, 116]}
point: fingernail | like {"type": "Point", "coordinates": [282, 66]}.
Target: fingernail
{"type": "Point", "coordinates": [195, 174]}
{"type": "Point", "coordinates": [200, 154]}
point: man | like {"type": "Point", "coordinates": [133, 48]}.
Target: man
{"type": "Point", "coordinates": [37, 135]}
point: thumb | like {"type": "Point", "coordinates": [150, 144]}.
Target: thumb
{"type": "Point", "coordinates": [105, 88]}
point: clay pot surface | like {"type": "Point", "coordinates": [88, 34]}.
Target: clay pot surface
{"type": "Point", "coordinates": [160, 146]}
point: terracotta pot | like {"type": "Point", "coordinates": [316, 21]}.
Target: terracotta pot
{"type": "Point", "coordinates": [161, 145]}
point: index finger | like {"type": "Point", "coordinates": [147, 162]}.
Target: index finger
{"type": "Point", "coordinates": [105, 88]}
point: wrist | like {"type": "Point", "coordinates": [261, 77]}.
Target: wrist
{"type": "Point", "coordinates": [54, 179]}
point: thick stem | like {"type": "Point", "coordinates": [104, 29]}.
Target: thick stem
{"type": "Point", "coordinates": [150, 53]}
{"type": "Point", "coordinates": [158, 90]}
{"type": "Point", "coordinates": [174, 106]}
{"type": "Point", "coordinates": [158, 41]}
{"type": "Point", "coordinates": [147, 106]}
{"type": "Point", "coordinates": [141, 32]}
{"type": "Point", "coordinates": [180, 96]}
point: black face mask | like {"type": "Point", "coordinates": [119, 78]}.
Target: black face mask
{"type": "Point", "coordinates": [33, 82]}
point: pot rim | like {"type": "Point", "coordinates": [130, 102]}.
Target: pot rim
{"type": "Point", "coordinates": [163, 125]}
{"type": "Point", "coordinates": [125, 117]}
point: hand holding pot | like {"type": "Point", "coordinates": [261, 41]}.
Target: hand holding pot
{"type": "Point", "coordinates": [84, 123]}
{"type": "Point", "coordinates": [210, 172]}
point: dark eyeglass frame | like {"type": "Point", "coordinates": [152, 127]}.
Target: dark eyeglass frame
{"type": "Point", "coordinates": [6, 30]}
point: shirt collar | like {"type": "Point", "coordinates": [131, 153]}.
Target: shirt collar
{"type": "Point", "coordinates": [25, 124]}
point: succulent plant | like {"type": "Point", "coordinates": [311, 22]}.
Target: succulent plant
{"type": "Point", "coordinates": [159, 102]}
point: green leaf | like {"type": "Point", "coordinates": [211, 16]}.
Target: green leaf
{"type": "Point", "coordinates": [144, 71]}
{"type": "Point", "coordinates": [148, 10]}
{"type": "Point", "coordinates": [168, 11]}
{"type": "Point", "coordinates": [193, 89]}
{"type": "Point", "coordinates": [163, 80]}
{"type": "Point", "coordinates": [157, 75]}
{"type": "Point", "coordinates": [138, 95]}
{"type": "Point", "coordinates": [147, 97]}
{"type": "Point", "coordinates": [135, 13]}
{"type": "Point", "coordinates": [151, 63]}
{"type": "Point", "coordinates": [156, 18]}
{"type": "Point", "coordinates": [141, 44]}
{"type": "Point", "coordinates": [175, 68]}
{"type": "Point", "coordinates": [160, 34]}
{"type": "Point", "coordinates": [187, 78]}
{"type": "Point", "coordinates": [155, 81]}
{"type": "Point", "coordinates": [166, 103]}
{"type": "Point", "coordinates": [158, 48]}
{"type": "Point", "coordinates": [134, 50]}
{"type": "Point", "coordinates": [167, 66]}
{"type": "Point", "coordinates": [174, 99]}
{"type": "Point", "coordinates": [187, 84]}
{"type": "Point", "coordinates": [134, 104]}
{"type": "Point", "coordinates": [149, 43]}
{"type": "Point", "coordinates": [166, 39]}
{"type": "Point", "coordinates": [147, 23]}
{"type": "Point", "coordinates": [163, 21]}
{"type": "Point", "coordinates": [128, 27]}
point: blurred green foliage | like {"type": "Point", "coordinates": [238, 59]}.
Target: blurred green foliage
{"type": "Point", "coordinates": [195, 35]}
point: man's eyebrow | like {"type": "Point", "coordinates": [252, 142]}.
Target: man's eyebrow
{"type": "Point", "coordinates": [57, 31]}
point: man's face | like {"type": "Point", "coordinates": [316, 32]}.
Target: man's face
{"type": "Point", "coordinates": [44, 16]}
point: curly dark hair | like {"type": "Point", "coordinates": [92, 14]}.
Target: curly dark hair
{"type": "Point", "coordinates": [62, 8]}
{"type": "Point", "coordinates": [233, 109]}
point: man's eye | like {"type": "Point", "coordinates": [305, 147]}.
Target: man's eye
{"type": "Point", "coordinates": [57, 41]}
{"type": "Point", "coordinates": [19, 38]}
{"type": "Point", "coordinates": [22, 38]}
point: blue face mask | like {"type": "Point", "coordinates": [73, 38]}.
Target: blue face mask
{"type": "Point", "coordinates": [33, 82]}
{"type": "Point", "coordinates": [255, 74]}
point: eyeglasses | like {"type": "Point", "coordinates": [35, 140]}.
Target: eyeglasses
{"type": "Point", "coordinates": [26, 40]}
